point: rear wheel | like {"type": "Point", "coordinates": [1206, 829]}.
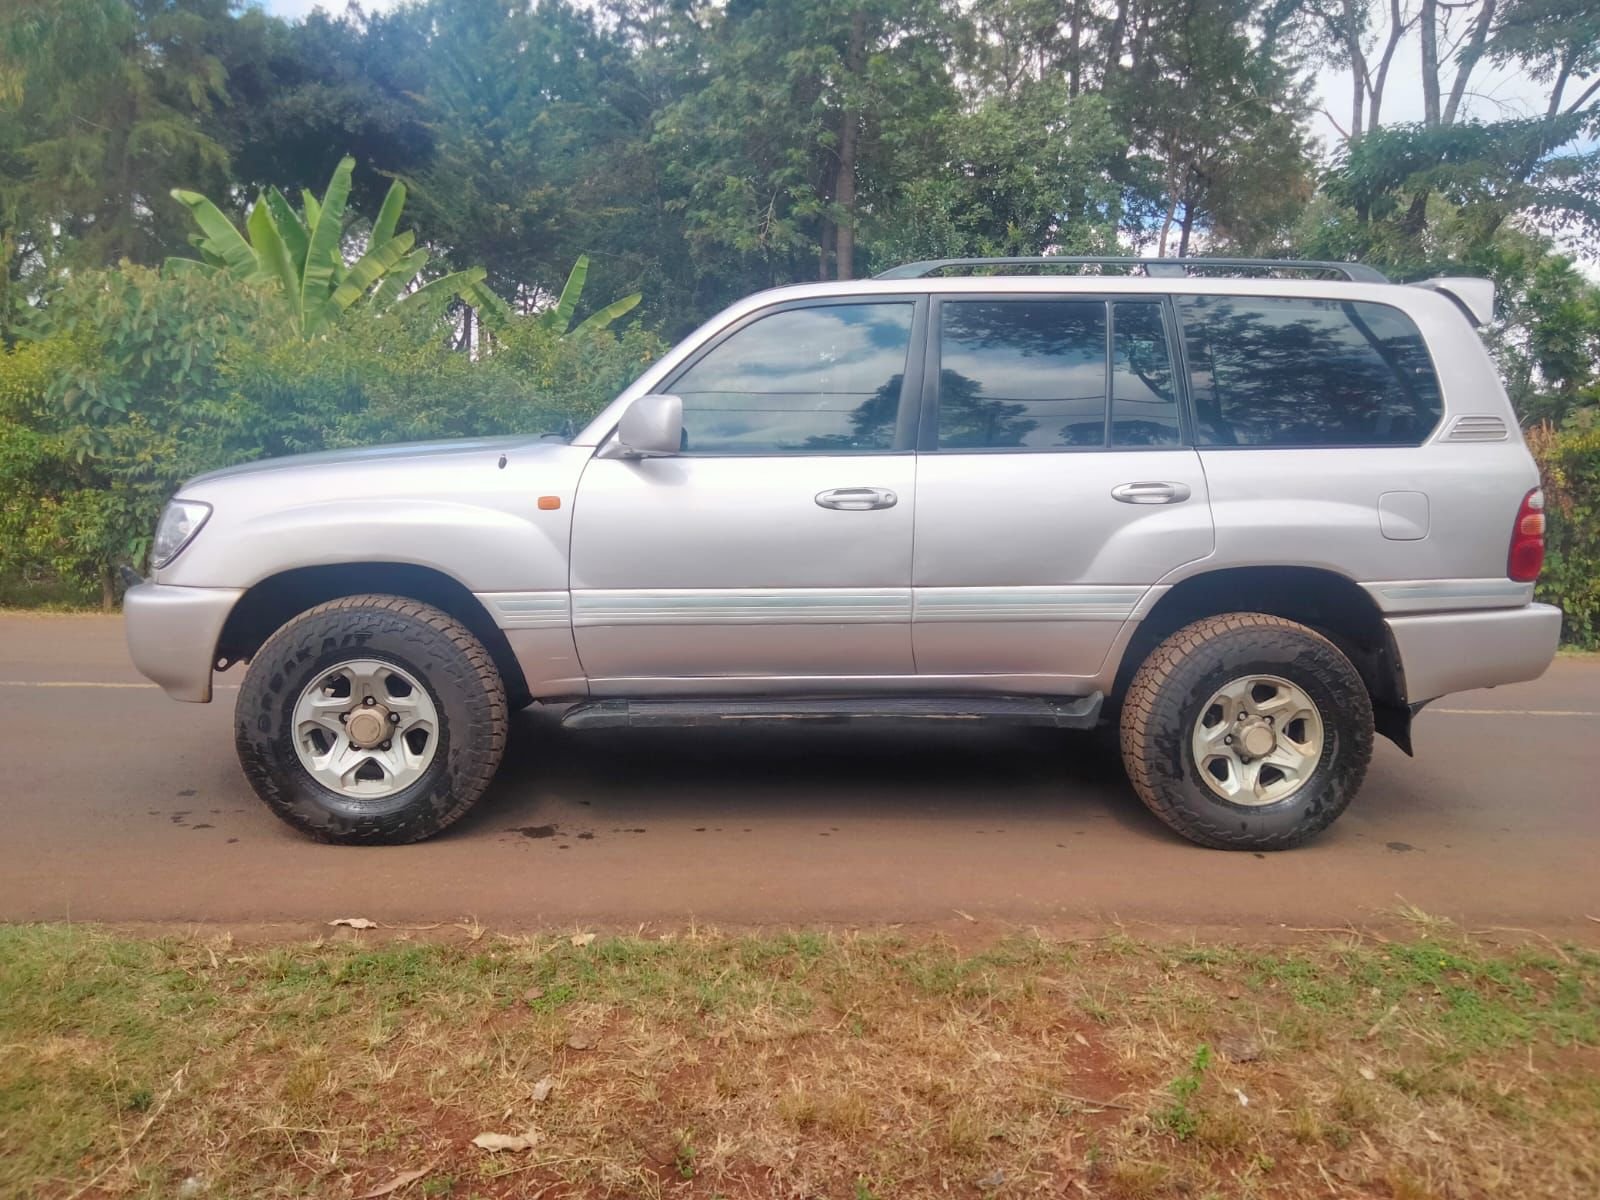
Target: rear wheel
{"type": "Point", "coordinates": [1247, 732]}
{"type": "Point", "coordinates": [371, 719]}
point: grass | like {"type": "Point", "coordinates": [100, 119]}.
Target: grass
{"type": "Point", "coordinates": [800, 1065]}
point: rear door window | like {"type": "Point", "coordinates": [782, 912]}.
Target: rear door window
{"type": "Point", "coordinates": [1269, 371]}
{"type": "Point", "coordinates": [1041, 373]}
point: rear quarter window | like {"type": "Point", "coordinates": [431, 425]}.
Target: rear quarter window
{"type": "Point", "coordinates": [1268, 371]}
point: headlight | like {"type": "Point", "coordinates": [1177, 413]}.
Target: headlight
{"type": "Point", "coordinates": [180, 521]}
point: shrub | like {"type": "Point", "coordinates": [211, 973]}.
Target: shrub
{"type": "Point", "coordinates": [1569, 463]}
{"type": "Point", "coordinates": [130, 382]}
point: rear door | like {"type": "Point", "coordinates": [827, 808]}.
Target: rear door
{"type": "Point", "coordinates": [1054, 487]}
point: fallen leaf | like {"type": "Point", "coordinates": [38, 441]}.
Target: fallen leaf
{"type": "Point", "coordinates": [1080, 1039]}
{"type": "Point", "coordinates": [580, 1041]}
{"type": "Point", "coordinates": [1432, 1136]}
{"type": "Point", "coordinates": [582, 939]}
{"type": "Point", "coordinates": [1367, 1073]}
{"type": "Point", "coordinates": [965, 916]}
{"type": "Point", "coordinates": [542, 1089]}
{"type": "Point", "coordinates": [532, 994]}
{"type": "Point", "coordinates": [1244, 1101]}
{"type": "Point", "coordinates": [495, 1142]}
{"type": "Point", "coordinates": [395, 1184]}
{"type": "Point", "coordinates": [355, 923]}
{"type": "Point", "coordinates": [995, 1178]}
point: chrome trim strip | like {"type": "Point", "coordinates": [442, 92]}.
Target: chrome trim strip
{"type": "Point", "coordinates": [527, 610]}
{"type": "Point", "coordinates": [1085, 603]}
{"type": "Point", "coordinates": [1431, 595]}
{"type": "Point", "coordinates": [743, 606]}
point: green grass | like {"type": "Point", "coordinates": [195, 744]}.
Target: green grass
{"type": "Point", "coordinates": [800, 1064]}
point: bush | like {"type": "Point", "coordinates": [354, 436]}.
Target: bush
{"type": "Point", "coordinates": [1570, 466]}
{"type": "Point", "coordinates": [131, 381]}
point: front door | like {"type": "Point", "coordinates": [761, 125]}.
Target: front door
{"type": "Point", "coordinates": [777, 545]}
{"type": "Point", "coordinates": [1055, 487]}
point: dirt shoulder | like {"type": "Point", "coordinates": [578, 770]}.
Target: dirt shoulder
{"type": "Point", "coordinates": [701, 1064]}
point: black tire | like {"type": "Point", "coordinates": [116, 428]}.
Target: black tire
{"type": "Point", "coordinates": [431, 646]}
{"type": "Point", "coordinates": [1163, 703]}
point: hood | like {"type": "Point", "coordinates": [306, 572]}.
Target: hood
{"type": "Point", "coordinates": [373, 455]}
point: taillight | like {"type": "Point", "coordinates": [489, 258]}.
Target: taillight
{"type": "Point", "coordinates": [1527, 539]}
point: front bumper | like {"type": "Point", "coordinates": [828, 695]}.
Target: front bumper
{"type": "Point", "coordinates": [172, 634]}
{"type": "Point", "coordinates": [1442, 653]}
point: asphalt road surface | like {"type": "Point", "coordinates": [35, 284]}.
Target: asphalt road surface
{"type": "Point", "coordinates": [119, 805]}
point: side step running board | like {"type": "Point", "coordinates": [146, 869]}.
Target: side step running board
{"type": "Point", "coordinates": [1068, 712]}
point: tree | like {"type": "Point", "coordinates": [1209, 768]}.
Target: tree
{"type": "Point", "coordinates": [103, 106]}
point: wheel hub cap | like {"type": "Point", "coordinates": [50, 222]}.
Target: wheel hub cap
{"type": "Point", "coordinates": [365, 729]}
{"type": "Point", "coordinates": [1257, 740]}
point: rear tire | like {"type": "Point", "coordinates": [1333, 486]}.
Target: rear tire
{"type": "Point", "coordinates": [423, 674]}
{"type": "Point", "coordinates": [1240, 678]}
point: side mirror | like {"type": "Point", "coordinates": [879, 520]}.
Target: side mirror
{"type": "Point", "coordinates": [651, 427]}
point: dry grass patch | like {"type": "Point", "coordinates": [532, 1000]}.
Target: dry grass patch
{"type": "Point", "coordinates": [796, 1066]}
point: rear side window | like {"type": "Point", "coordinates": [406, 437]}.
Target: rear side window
{"type": "Point", "coordinates": [1292, 372]}
{"type": "Point", "coordinates": [1043, 374]}
{"type": "Point", "coordinates": [819, 380]}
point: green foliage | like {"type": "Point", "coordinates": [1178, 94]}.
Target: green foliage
{"type": "Point", "coordinates": [132, 381]}
{"type": "Point", "coordinates": [302, 255]}
{"type": "Point", "coordinates": [1569, 464]}
{"type": "Point", "coordinates": [1178, 1117]}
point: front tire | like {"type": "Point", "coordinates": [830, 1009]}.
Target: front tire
{"type": "Point", "coordinates": [1247, 732]}
{"type": "Point", "coordinates": [371, 719]}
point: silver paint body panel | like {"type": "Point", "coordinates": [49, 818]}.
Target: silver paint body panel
{"type": "Point", "coordinates": [1010, 572]}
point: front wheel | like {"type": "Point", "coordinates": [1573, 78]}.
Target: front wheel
{"type": "Point", "coordinates": [371, 719]}
{"type": "Point", "coordinates": [1247, 732]}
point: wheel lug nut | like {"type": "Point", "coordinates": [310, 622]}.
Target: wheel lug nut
{"type": "Point", "coordinates": [343, 717]}
{"type": "Point", "coordinates": [369, 701]}
{"type": "Point", "coordinates": [1228, 740]}
{"type": "Point", "coordinates": [385, 746]}
{"type": "Point", "coordinates": [394, 718]}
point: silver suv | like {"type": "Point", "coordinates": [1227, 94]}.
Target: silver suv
{"type": "Point", "coordinates": [1247, 519]}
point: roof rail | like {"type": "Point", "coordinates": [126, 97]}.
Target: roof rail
{"type": "Point", "coordinates": [1169, 267]}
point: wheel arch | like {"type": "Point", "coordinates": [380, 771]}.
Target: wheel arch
{"type": "Point", "coordinates": [273, 601]}
{"type": "Point", "coordinates": [1332, 604]}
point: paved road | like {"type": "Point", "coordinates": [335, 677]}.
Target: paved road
{"type": "Point", "coordinates": [117, 804]}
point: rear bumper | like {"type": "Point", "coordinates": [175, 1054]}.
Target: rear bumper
{"type": "Point", "coordinates": [172, 634]}
{"type": "Point", "coordinates": [1442, 653]}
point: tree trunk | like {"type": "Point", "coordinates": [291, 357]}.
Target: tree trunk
{"type": "Point", "coordinates": [1430, 62]}
{"type": "Point", "coordinates": [844, 190]}
{"type": "Point", "coordinates": [1075, 50]}
{"type": "Point", "coordinates": [108, 590]}
{"type": "Point", "coordinates": [1358, 68]}
{"type": "Point", "coordinates": [1186, 228]}
{"type": "Point", "coordinates": [1469, 59]}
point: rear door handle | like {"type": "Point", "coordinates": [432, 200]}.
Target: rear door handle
{"type": "Point", "coordinates": [857, 499]}
{"type": "Point", "coordinates": [1151, 492]}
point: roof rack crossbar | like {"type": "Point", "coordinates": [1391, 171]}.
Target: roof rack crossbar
{"type": "Point", "coordinates": [1355, 272]}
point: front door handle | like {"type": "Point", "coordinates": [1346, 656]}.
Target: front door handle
{"type": "Point", "coordinates": [857, 499]}
{"type": "Point", "coordinates": [1151, 492]}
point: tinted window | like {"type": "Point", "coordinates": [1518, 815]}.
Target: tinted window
{"type": "Point", "coordinates": [1144, 403]}
{"type": "Point", "coordinates": [807, 380]}
{"type": "Point", "coordinates": [1026, 373]}
{"type": "Point", "coordinates": [1271, 372]}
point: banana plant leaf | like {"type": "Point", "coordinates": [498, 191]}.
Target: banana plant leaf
{"type": "Point", "coordinates": [291, 229]}
{"type": "Point", "coordinates": [272, 254]}
{"type": "Point", "coordinates": [608, 314]}
{"type": "Point", "coordinates": [222, 239]}
{"type": "Point", "coordinates": [559, 317]}
{"type": "Point", "coordinates": [318, 276]}
{"type": "Point", "coordinates": [373, 266]}
{"type": "Point", "coordinates": [398, 278]}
